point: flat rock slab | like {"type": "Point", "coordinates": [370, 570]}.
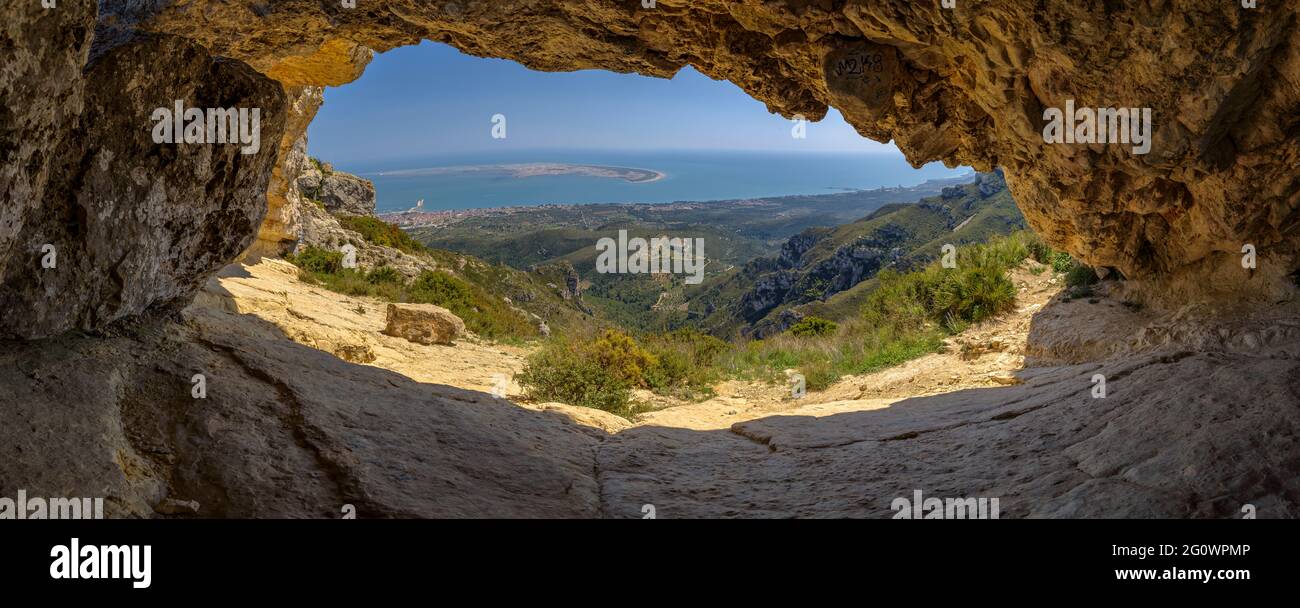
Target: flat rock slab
{"type": "Point", "coordinates": [1178, 435]}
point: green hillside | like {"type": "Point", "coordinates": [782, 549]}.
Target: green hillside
{"type": "Point", "coordinates": [827, 272]}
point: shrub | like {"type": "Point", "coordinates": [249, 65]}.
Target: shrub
{"type": "Point", "coordinates": [1037, 248]}
{"type": "Point", "coordinates": [569, 372]}
{"type": "Point", "coordinates": [379, 232]}
{"type": "Point", "coordinates": [623, 357]}
{"type": "Point", "coordinates": [686, 363]}
{"type": "Point", "coordinates": [974, 294]}
{"type": "Point", "coordinates": [316, 259]}
{"type": "Point", "coordinates": [1080, 275]}
{"type": "Point", "coordinates": [441, 289]}
{"type": "Point", "coordinates": [813, 327]}
{"type": "Point", "coordinates": [483, 314]}
{"type": "Point", "coordinates": [384, 274]}
{"type": "Point", "coordinates": [1061, 261]}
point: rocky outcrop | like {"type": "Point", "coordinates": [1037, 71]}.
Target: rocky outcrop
{"type": "Point", "coordinates": [340, 193]}
{"type": "Point", "coordinates": [284, 431]}
{"type": "Point", "coordinates": [124, 225]}
{"type": "Point", "coordinates": [1156, 446]}
{"type": "Point", "coordinates": [423, 324]}
{"type": "Point", "coordinates": [41, 93]}
{"type": "Point", "coordinates": [319, 228]}
{"type": "Point", "coordinates": [279, 231]}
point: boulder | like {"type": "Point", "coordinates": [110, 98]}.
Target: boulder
{"type": "Point", "coordinates": [127, 226]}
{"type": "Point", "coordinates": [423, 323]}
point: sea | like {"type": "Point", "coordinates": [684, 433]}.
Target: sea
{"type": "Point", "coordinates": [688, 176]}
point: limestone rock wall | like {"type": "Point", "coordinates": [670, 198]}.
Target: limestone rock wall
{"type": "Point", "coordinates": [101, 223]}
{"type": "Point", "coordinates": [283, 221]}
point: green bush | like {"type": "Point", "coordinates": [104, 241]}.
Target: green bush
{"type": "Point", "coordinates": [568, 371]}
{"type": "Point", "coordinates": [1080, 275]}
{"type": "Point", "coordinates": [316, 259]}
{"type": "Point", "coordinates": [623, 357]}
{"type": "Point", "coordinates": [812, 327]}
{"type": "Point", "coordinates": [1038, 249]}
{"type": "Point", "coordinates": [441, 289]}
{"type": "Point", "coordinates": [485, 315]}
{"type": "Point", "coordinates": [685, 363]}
{"type": "Point", "coordinates": [384, 274]}
{"type": "Point", "coordinates": [379, 232]}
{"type": "Point", "coordinates": [1061, 261]}
{"type": "Point", "coordinates": [600, 371]}
{"type": "Point", "coordinates": [973, 294]}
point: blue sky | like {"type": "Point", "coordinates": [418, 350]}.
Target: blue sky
{"type": "Point", "coordinates": [432, 100]}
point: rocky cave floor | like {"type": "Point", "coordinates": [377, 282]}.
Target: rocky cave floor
{"type": "Point", "coordinates": [309, 408]}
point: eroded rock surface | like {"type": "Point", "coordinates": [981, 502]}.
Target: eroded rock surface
{"type": "Point", "coordinates": [125, 225]}
{"type": "Point", "coordinates": [284, 431]}
{"type": "Point", "coordinates": [340, 193]}
{"type": "Point", "coordinates": [964, 86]}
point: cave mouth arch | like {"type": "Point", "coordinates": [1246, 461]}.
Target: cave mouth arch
{"type": "Point", "coordinates": [965, 86]}
{"type": "Point", "coordinates": [427, 106]}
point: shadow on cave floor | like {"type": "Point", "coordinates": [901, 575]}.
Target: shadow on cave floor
{"type": "Point", "coordinates": [286, 430]}
{"type": "Point", "coordinates": [1175, 436]}
{"type": "Point", "coordinates": [1186, 435]}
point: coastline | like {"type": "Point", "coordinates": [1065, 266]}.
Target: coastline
{"type": "Point", "coordinates": [410, 219]}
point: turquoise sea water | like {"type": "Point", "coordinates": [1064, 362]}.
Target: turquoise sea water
{"type": "Point", "coordinates": [690, 176]}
